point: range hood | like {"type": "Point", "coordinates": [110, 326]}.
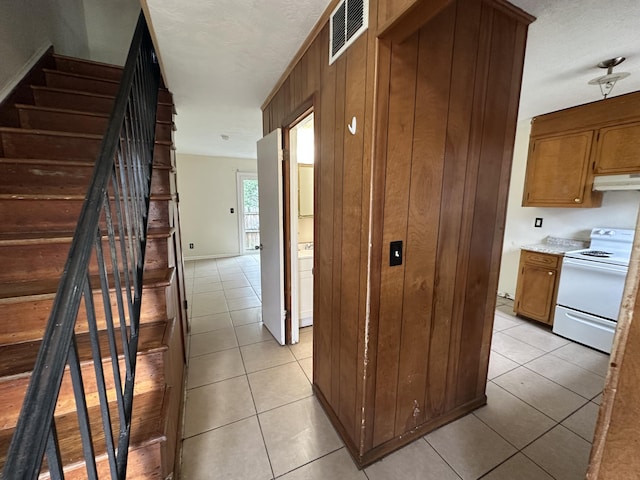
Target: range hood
{"type": "Point", "coordinates": [617, 182]}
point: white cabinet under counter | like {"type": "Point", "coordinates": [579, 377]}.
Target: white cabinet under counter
{"type": "Point", "coordinates": [305, 287]}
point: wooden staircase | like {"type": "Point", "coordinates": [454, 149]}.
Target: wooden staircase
{"type": "Point", "coordinates": [51, 127]}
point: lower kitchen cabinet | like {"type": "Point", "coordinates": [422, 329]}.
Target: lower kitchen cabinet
{"type": "Point", "coordinates": [537, 285]}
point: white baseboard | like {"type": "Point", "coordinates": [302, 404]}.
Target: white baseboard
{"type": "Point", "coordinates": [211, 257]}
{"type": "Point", "coordinates": [306, 319]}
{"type": "Point", "coordinates": [17, 78]}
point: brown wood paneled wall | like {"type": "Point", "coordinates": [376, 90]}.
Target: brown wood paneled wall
{"type": "Point", "coordinates": [401, 350]}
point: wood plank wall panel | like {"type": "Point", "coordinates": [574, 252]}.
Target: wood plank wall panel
{"type": "Point", "coordinates": [451, 261]}
{"type": "Point", "coordinates": [336, 245]}
{"type": "Point", "coordinates": [352, 214]}
{"type": "Point", "coordinates": [438, 161]}
{"type": "Point", "coordinates": [380, 146]}
{"type": "Point", "coordinates": [402, 88]}
{"type": "Point", "coordinates": [480, 298]}
{"type": "Point", "coordinates": [324, 260]}
{"type": "Point", "coordinates": [432, 110]}
{"type": "Point", "coordinates": [390, 10]}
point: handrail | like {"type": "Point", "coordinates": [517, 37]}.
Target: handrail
{"type": "Point", "coordinates": [115, 213]}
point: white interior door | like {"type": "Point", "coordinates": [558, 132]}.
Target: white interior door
{"type": "Point", "coordinates": [271, 233]}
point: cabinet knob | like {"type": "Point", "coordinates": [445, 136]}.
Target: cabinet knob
{"type": "Point", "coordinates": [550, 273]}
{"type": "Point", "coordinates": [577, 200]}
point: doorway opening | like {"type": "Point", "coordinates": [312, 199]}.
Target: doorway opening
{"type": "Point", "coordinates": [249, 213]}
{"type": "Point", "coordinates": [301, 224]}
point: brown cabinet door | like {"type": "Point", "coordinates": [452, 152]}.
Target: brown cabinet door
{"type": "Point", "coordinates": [618, 149]}
{"type": "Point", "coordinates": [535, 292]}
{"type": "Point", "coordinates": [557, 171]}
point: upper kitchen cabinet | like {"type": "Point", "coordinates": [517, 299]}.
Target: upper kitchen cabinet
{"type": "Point", "coordinates": [618, 149]}
{"type": "Point", "coordinates": [567, 148]}
{"type": "Point", "coordinates": [558, 172]}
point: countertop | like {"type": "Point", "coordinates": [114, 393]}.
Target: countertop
{"type": "Point", "coordinates": [557, 245]}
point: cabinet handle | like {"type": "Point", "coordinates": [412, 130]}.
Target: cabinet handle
{"type": "Point", "coordinates": [550, 273]}
{"type": "Point", "coordinates": [577, 200]}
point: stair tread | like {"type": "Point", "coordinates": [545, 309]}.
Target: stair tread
{"type": "Point", "coordinates": [15, 291]}
{"type": "Point", "coordinates": [80, 76]}
{"type": "Point", "coordinates": [25, 106]}
{"type": "Point", "coordinates": [92, 136]}
{"type": "Point", "coordinates": [146, 428]}
{"type": "Point", "coordinates": [69, 91]}
{"type": "Point", "coordinates": [32, 131]}
{"type": "Point", "coordinates": [87, 61]}
{"type": "Point", "coordinates": [54, 195]}
{"type": "Point", "coordinates": [64, 163]}
{"type": "Point", "coordinates": [82, 92]}
{"type": "Point", "coordinates": [65, 236]}
{"type": "Point", "coordinates": [17, 359]}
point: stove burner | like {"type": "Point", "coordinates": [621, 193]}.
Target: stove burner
{"type": "Point", "coordinates": [597, 253]}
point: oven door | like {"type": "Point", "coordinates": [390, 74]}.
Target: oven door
{"type": "Point", "coordinates": [592, 287]}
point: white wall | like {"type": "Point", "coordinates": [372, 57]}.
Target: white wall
{"type": "Point", "coordinates": [207, 187]}
{"type": "Point", "coordinates": [619, 209]}
{"type": "Point", "coordinates": [110, 27]}
{"type": "Point", "coordinates": [29, 27]}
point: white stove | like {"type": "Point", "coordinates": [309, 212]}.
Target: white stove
{"type": "Point", "coordinates": [591, 286]}
{"type": "Point", "coordinates": [608, 245]}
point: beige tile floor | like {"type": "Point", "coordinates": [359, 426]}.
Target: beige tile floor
{"type": "Point", "coordinates": [251, 414]}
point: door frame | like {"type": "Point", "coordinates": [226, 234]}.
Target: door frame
{"type": "Point", "coordinates": [240, 176]}
{"type": "Point", "coordinates": [291, 247]}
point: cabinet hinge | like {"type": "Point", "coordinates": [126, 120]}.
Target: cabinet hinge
{"type": "Point", "coordinates": [186, 305]}
{"type": "Point", "coordinates": [177, 197]}
{"type": "Point", "coordinates": [285, 154]}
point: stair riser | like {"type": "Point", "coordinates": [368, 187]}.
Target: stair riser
{"type": "Point", "coordinates": [163, 154]}
{"type": "Point", "coordinates": [58, 79]}
{"type": "Point", "coordinates": [21, 215]}
{"type": "Point", "coordinates": [33, 178]}
{"type": "Point", "coordinates": [164, 113]}
{"type": "Point", "coordinates": [34, 314]}
{"type": "Point", "coordinates": [142, 464]}
{"type": "Point", "coordinates": [72, 101]}
{"type": "Point", "coordinates": [46, 260]}
{"type": "Point", "coordinates": [90, 69]}
{"type": "Point", "coordinates": [149, 375]}
{"type": "Point", "coordinates": [27, 144]}
{"type": "Point", "coordinates": [165, 96]}
{"type": "Point", "coordinates": [164, 132]}
{"type": "Point", "coordinates": [62, 121]}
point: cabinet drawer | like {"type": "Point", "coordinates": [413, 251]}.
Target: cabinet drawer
{"type": "Point", "coordinates": [543, 259]}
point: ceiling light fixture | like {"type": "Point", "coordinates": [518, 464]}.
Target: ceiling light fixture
{"type": "Point", "coordinates": [608, 81]}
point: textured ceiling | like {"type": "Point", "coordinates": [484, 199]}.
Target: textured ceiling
{"type": "Point", "coordinates": [222, 58]}
{"type": "Point", "coordinates": [565, 44]}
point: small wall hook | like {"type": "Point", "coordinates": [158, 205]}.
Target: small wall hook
{"type": "Point", "coordinates": [353, 126]}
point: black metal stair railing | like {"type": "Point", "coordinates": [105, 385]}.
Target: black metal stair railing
{"type": "Point", "coordinates": [105, 260]}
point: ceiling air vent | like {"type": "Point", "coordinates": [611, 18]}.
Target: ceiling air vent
{"type": "Point", "coordinates": [348, 21]}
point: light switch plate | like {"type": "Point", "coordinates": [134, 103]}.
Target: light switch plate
{"type": "Point", "coordinates": [395, 253]}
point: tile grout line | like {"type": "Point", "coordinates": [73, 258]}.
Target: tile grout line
{"type": "Point", "coordinates": [424, 437]}
{"type": "Point", "coordinates": [312, 461]}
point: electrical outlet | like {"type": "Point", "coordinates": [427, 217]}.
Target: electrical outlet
{"type": "Point", "coordinates": [538, 222]}
{"type": "Point", "coordinates": [191, 246]}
